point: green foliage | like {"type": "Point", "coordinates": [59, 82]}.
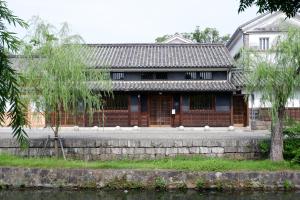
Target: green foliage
{"type": "Point", "coordinates": [296, 158]}
{"type": "Point", "coordinates": [208, 35]}
{"type": "Point", "coordinates": [160, 183]}
{"type": "Point", "coordinates": [292, 130]}
{"type": "Point", "coordinates": [291, 149]}
{"type": "Point", "coordinates": [289, 7]}
{"type": "Point", "coordinates": [264, 147]}
{"type": "Point", "coordinates": [200, 184]}
{"type": "Point", "coordinates": [288, 185]}
{"type": "Point", "coordinates": [123, 183]}
{"type": "Point", "coordinates": [9, 85]}
{"type": "Point", "coordinates": [57, 73]}
{"type": "Point", "coordinates": [196, 163]}
{"type": "Point", "coordinates": [275, 75]}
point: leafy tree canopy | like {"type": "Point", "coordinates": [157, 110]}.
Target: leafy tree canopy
{"type": "Point", "coordinates": [208, 35]}
{"type": "Point", "coordinates": [9, 86]}
{"type": "Point", "coordinates": [275, 75]}
{"type": "Point", "coordinates": [57, 72]}
{"type": "Point", "coordinates": [289, 7]}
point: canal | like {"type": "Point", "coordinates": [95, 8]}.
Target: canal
{"type": "Point", "coordinates": [144, 194]}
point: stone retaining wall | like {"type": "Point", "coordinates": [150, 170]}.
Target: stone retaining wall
{"type": "Point", "coordinates": [128, 179]}
{"type": "Point", "coordinates": [104, 149]}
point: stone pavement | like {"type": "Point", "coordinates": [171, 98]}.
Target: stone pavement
{"type": "Point", "coordinates": [134, 133]}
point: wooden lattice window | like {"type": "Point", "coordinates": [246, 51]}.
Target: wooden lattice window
{"type": "Point", "coordinates": [118, 75]}
{"type": "Point", "coordinates": [191, 75]}
{"type": "Point", "coordinates": [201, 102]}
{"type": "Point", "coordinates": [205, 75]}
{"type": "Point", "coordinates": [117, 102]}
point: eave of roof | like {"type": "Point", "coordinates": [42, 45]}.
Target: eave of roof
{"type": "Point", "coordinates": [186, 86]}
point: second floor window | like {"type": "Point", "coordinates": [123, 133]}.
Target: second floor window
{"type": "Point", "coordinates": [264, 43]}
{"type": "Point", "coordinates": [205, 75]}
{"type": "Point", "coordinates": [191, 75]}
{"type": "Point", "coordinates": [118, 75]}
{"type": "Point", "coordinates": [198, 75]}
{"type": "Point", "coordinates": [151, 76]}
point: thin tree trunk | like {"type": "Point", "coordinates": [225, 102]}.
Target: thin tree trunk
{"type": "Point", "coordinates": [57, 122]}
{"type": "Point", "coordinates": [277, 137]}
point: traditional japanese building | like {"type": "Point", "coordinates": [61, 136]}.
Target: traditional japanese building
{"type": "Point", "coordinates": [166, 85]}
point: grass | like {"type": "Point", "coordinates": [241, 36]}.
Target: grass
{"type": "Point", "coordinates": [195, 163]}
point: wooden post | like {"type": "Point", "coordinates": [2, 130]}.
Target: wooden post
{"type": "Point", "coordinates": [231, 110]}
{"type": "Point", "coordinates": [139, 111]}
{"type": "Point", "coordinates": [129, 111]}
{"type": "Point", "coordinates": [148, 109]}
{"type": "Point", "coordinates": [180, 110]}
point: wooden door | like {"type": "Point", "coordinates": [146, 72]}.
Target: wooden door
{"type": "Point", "coordinates": [160, 110]}
{"type": "Point", "coordinates": [239, 111]}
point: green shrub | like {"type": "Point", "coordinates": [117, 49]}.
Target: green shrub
{"type": "Point", "coordinates": [200, 184]}
{"type": "Point", "coordinates": [160, 183]}
{"type": "Point", "coordinates": [296, 158]}
{"type": "Point", "coordinates": [264, 147]}
{"type": "Point", "coordinates": [288, 185]}
{"type": "Point", "coordinates": [292, 131]}
{"type": "Point", "coordinates": [291, 143]}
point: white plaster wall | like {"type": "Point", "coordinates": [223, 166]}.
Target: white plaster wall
{"type": "Point", "coordinates": [237, 46]}
{"type": "Point", "coordinates": [254, 39]}
{"type": "Point", "coordinates": [293, 102]}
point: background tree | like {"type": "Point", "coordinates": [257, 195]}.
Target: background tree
{"type": "Point", "coordinates": [9, 87]}
{"type": "Point", "coordinates": [57, 73]}
{"type": "Point", "coordinates": [208, 35]}
{"type": "Point", "coordinates": [276, 76]}
{"type": "Point", "coordinates": [289, 7]}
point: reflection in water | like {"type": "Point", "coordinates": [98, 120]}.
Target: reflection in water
{"type": "Point", "coordinates": [140, 195]}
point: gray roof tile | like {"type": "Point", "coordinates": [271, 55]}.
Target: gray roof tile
{"type": "Point", "coordinates": [140, 56]}
{"type": "Point", "coordinates": [213, 85]}
{"type": "Point", "coordinates": [238, 78]}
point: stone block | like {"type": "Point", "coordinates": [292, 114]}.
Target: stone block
{"type": "Point", "coordinates": [217, 150]}
{"type": "Point", "coordinates": [160, 151]}
{"type": "Point", "coordinates": [150, 151]}
{"type": "Point", "coordinates": [183, 150]}
{"type": "Point", "coordinates": [194, 150]}
{"type": "Point", "coordinates": [139, 151]}
{"type": "Point", "coordinates": [230, 149]}
{"type": "Point", "coordinates": [178, 143]}
{"type": "Point", "coordinates": [204, 150]}
{"type": "Point", "coordinates": [145, 143]}
{"type": "Point", "coordinates": [171, 151]}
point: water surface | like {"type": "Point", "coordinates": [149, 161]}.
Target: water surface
{"type": "Point", "coordinates": [140, 195]}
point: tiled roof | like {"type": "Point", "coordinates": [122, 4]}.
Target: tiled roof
{"type": "Point", "coordinates": [157, 56]}
{"type": "Point", "coordinates": [213, 85]}
{"type": "Point", "coordinates": [238, 78]}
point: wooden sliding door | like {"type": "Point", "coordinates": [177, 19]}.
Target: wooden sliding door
{"type": "Point", "coordinates": [160, 110]}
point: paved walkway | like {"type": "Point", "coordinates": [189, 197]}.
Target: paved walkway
{"type": "Point", "coordinates": [144, 133]}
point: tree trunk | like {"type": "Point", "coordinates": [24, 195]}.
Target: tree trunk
{"type": "Point", "coordinates": [277, 137]}
{"type": "Point", "coordinates": [57, 122]}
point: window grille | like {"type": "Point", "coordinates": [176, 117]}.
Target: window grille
{"type": "Point", "coordinates": [263, 43]}
{"type": "Point", "coordinates": [201, 102]}
{"type": "Point", "coordinates": [118, 76]}
{"type": "Point", "coordinates": [191, 75]}
{"type": "Point", "coordinates": [118, 102]}
{"type": "Point", "coordinates": [205, 75]}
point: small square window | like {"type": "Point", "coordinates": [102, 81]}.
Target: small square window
{"type": "Point", "coordinates": [191, 75]}
{"type": "Point", "coordinates": [118, 75]}
{"type": "Point", "coordinates": [264, 43]}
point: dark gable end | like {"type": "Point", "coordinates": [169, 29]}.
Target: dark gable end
{"type": "Point", "coordinates": [159, 56]}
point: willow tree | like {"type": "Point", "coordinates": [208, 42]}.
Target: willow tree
{"type": "Point", "coordinates": [57, 73]}
{"type": "Point", "coordinates": [275, 74]}
{"type": "Point", "coordinates": [9, 85]}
